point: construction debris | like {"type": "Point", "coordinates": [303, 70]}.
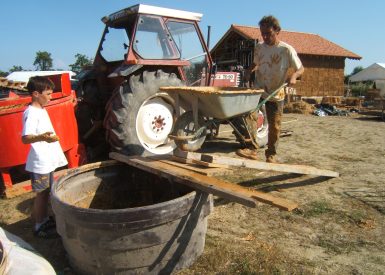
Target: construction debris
{"type": "Point", "coordinates": [12, 85]}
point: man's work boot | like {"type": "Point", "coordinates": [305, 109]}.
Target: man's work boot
{"type": "Point", "coordinates": [272, 159]}
{"type": "Point", "coordinates": [247, 153]}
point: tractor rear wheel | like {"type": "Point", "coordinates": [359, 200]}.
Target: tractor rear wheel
{"type": "Point", "coordinates": [139, 117]}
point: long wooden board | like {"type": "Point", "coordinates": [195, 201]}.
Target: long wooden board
{"type": "Point", "coordinates": [204, 183]}
{"type": "Point", "coordinates": [279, 167]}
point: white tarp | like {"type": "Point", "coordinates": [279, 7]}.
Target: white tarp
{"type": "Point", "coordinates": [20, 258]}
{"type": "Point", "coordinates": [374, 72]}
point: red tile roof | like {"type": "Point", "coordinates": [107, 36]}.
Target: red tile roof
{"type": "Point", "coordinates": [303, 43]}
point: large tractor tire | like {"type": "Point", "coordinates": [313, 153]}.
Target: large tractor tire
{"type": "Point", "coordinates": [139, 117]}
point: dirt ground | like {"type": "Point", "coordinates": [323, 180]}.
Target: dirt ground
{"type": "Point", "coordinates": [338, 229]}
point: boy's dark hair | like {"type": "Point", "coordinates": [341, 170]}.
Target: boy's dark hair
{"type": "Point", "coordinates": [39, 84]}
{"type": "Point", "coordinates": [270, 21]}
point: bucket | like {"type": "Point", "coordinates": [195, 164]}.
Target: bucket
{"type": "Point", "coordinates": [114, 218]}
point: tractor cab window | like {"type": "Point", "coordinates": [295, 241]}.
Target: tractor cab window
{"type": "Point", "coordinates": [114, 44]}
{"type": "Point", "coordinates": [191, 49]}
{"type": "Point", "coordinates": [152, 40]}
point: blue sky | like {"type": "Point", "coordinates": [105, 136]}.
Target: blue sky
{"type": "Point", "coordinates": [65, 28]}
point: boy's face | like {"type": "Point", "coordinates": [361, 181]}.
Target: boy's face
{"type": "Point", "coordinates": [44, 97]}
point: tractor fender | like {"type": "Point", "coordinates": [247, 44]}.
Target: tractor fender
{"type": "Point", "coordinates": [125, 70]}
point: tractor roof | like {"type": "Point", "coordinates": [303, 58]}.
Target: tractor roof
{"type": "Point", "coordinates": [146, 9]}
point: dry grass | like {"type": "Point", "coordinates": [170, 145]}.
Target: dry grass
{"type": "Point", "coordinates": [244, 256]}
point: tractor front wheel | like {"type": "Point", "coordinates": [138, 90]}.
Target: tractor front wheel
{"type": "Point", "coordinates": [139, 117]}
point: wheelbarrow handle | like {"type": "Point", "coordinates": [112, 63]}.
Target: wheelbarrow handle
{"type": "Point", "coordinates": [260, 104]}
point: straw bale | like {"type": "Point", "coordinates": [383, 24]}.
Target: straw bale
{"type": "Point", "coordinates": [299, 107]}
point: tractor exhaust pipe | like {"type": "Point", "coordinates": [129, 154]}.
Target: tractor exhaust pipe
{"type": "Point", "coordinates": [208, 37]}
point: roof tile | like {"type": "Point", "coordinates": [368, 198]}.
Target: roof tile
{"type": "Point", "coordinates": [303, 43]}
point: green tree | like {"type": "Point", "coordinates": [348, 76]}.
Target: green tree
{"type": "Point", "coordinates": [43, 61]}
{"type": "Point", "coordinates": [16, 69]}
{"type": "Point", "coordinates": [80, 62]}
{"type": "Point", "coordinates": [3, 74]}
{"type": "Point", "coordinates": [355, 70]}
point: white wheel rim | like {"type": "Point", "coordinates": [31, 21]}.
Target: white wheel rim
{"type": "Point", "coordinates": [262, 131]}
{"type": "Point", "coordinates": [154, 123]}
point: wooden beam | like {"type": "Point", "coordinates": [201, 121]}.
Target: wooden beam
{"type": "Point", "coordinates": [204, 183]}
{"type": "Point", "coordinates": [279, 167]}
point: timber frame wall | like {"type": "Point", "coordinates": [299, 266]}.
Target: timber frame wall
{"type": "Point", "coordinates": [323, 76]}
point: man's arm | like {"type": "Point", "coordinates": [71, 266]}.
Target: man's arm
{"type": "Point", "coordinates": [47, 137]}
{"type": "Point", "coordinates": [296, 75]}
{"type": "Point", "coordinates": [249, 71]}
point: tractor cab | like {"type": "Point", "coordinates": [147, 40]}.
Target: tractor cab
{"type": "Point", "coordinates": [146, 36]}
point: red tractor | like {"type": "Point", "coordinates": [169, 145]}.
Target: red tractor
{"type": "Point", "coordinates": [119, 104]}
{"type": "Point", "coordinates": [142, 49]}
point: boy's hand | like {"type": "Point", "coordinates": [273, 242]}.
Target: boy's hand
{"type": "Point", "coordinates": [49, 137]}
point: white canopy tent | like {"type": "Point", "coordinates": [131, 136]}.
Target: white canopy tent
{"type": "Point", "coordinates": [375, 72]}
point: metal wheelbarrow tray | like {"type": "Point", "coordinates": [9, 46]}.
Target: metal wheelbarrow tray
{"type": "Point", "coordinates": [217, 102]}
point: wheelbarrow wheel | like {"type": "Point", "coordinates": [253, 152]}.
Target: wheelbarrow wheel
{"type": "Point", "coordinates": [139, 117]}
{"type": "Point", "coordinates": [262, 130]}
{"type": "Point", "coordinates": [257, 128]}
{"type": "Point", "coordinates": [184, 127]}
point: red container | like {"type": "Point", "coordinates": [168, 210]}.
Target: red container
{"type": "Point", "coordinates": [61, 111]}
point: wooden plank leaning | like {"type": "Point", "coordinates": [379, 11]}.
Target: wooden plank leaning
{"type": "Point", "coordinates": [279, 167]}
{"type": "Point", "coordinates": [204, 183]}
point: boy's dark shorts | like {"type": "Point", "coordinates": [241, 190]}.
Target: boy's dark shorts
{"type": "Point", "coordinates": [41, 182]}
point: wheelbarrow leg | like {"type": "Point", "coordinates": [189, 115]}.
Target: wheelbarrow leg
{"type": "Point", "coordinates": [245, 133]}
{"type": "Point", "coordinates": [194, 105]}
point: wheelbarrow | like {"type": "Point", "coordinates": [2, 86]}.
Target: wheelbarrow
{"type": "Point", "coordinates": [208, 107]}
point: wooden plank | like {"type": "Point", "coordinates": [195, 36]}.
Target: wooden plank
{"type": "Point", "coordinates": [187, 155]}
{"type": "Point", "coordinates": [187, 164]}
{"type": "Point", "coordinates": [209, 164]}
{"type": "Point", "coordinates": [279, 167]}
{"type": "Point", "coordinates": [204, 183]}
{"type": "Point", "coordinates": [18, 189]}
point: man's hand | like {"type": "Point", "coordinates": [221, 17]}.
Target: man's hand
{"type": "Point", "coordinates": [293, 78]}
